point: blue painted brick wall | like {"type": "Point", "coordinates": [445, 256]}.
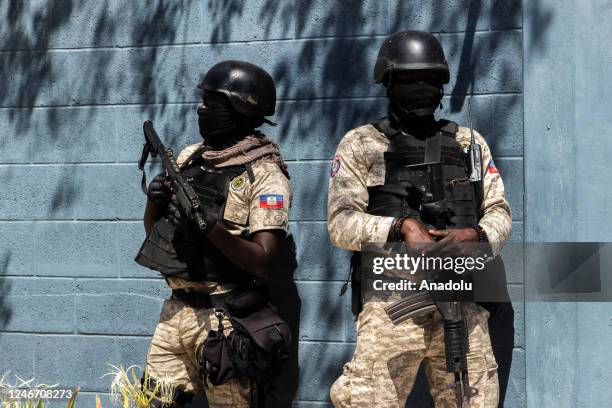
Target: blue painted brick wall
{"type": "Point", "coordinates": [79, 78]}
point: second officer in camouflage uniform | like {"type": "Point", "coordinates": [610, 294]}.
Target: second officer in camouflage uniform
{"type": "Point", "coordinates": [382, 371]}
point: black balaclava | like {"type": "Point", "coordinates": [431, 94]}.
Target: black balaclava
{"type": "Point", "coordinates": [220, 125]}
{"type": "Point", "coordinates": [414, 101]}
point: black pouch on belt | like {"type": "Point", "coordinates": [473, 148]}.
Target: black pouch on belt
{"type": "Point", "coordinates": [259, 344]}
{"type": "Point", "coordinates": [214, 357]}
{"type": "Point", "coordinates": [256, 347]}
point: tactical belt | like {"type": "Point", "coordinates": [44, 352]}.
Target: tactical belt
{"type": "Point", "coordinates": [201, 300]}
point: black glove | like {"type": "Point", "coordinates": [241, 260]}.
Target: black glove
{"type": "Point", "coordinates": [179, 220]}
{"type": "Point", "coordinates": [176, 216]}
{"type": "Point", "coordinates": [158, 193]}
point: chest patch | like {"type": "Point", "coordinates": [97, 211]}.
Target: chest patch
{"type": "Point", "coordinates": [238, 183]}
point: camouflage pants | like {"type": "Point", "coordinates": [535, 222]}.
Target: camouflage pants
{"type": "Point", "coordinates": [383, 369]}
{"type": "Point", "coordinates": [172, 354]}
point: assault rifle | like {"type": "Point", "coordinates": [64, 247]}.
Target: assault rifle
{"type": "Point", "coordinates": [456, 345]}
{"type": "Point", "coordinates": [185, 194]}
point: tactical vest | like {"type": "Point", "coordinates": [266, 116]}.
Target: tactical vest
{"type": "Point", "coordinates": [188, 255]}
{"type": "Point", "coordinates": [426, 178]}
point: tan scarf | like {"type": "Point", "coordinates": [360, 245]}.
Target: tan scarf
{"type": "Point", "coordinates": [251, 149]}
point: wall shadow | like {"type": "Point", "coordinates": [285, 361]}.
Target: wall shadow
{"type": "Point", "coordinates": [540, 18]}
{"type": "Point", "coordinates": [466, 61]}
{"type": "Point", "coordinates": [343, 64]}
{"type": "Point", "coordinates": [6, 313]}
{"type": "Point", "coordinates": [502, 331]}
{"type": "Point", "coordinates": [285, 297]}
{"type": "Point", "coordinates": [38, 75]}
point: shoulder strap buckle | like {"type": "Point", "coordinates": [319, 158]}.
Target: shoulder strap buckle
{"type": "Point", "coordinates": [384, 126]}
{"type": "Point", "coordinates": [449, 127]}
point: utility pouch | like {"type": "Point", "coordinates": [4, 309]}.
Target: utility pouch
{"type": "Point", "coordinates": [214, 357]}
{"type": "Point", "coordinates": [259, 344]}
{"type": "Point", "coordinates": [255, 349]}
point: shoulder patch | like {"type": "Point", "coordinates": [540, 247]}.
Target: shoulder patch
{"type": "Point", "coordinates": [271, 201]}
{"type": "Point", "coordinates": [491, 167]}
{"type": "Point", "coordinates": [335, 167]}
{"type": "Point", "coordinates": [239, 183]}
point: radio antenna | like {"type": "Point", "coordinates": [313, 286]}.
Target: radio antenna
{"type": "Point", "coordinates": [470, 114]}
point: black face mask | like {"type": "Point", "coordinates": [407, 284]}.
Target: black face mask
{"type": "Point", "coordinates": [220, 125]}
{"type": "Point", "coordinates": [217, 125]}
{"type": "Point", "coordinates": [409, 101]}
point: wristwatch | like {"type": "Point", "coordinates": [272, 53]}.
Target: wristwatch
{"type": "Point", "coordinates": [482, 235]}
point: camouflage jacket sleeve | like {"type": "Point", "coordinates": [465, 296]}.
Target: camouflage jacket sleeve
{"type": "Point", "coordinates": [497, 216]}
{"type": "Point", "coordinates": [269, 198]}
{"type": "Point", "coordinates": [348, 224]}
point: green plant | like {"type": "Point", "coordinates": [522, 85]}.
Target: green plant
{"type": "Point", "coordinates": [127, 390]}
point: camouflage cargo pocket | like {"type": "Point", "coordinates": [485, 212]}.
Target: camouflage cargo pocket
{"type": "Point", "coordinates": [362, 383]}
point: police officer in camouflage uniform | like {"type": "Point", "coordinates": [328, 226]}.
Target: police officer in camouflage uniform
{"type": "Point", "coordinates": [241, 174]}
{"type": "Point", "coordinates": [373, 198]}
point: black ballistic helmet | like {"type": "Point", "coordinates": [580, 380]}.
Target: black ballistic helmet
{"type": "Point", "coordinates": [410, 51]}
{"type": "Point", "coordinates": [250, 89]}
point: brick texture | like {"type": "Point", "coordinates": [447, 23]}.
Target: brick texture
{"type": "Point", "coordinates": [80, 77]}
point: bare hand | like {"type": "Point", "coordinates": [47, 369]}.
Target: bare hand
{"type": "Point", "coordinates": [415, 235]}
{"type": "Point", "coordinates": [450, 241]}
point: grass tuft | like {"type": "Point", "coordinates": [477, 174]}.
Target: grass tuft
{"type": "Point", "coordinates": [127, 391]}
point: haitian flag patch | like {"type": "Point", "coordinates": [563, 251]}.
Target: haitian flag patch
{"type": "Point", "coordinates": [271, 201]}
{"type": "Point", "coordinates": [491, 167]}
